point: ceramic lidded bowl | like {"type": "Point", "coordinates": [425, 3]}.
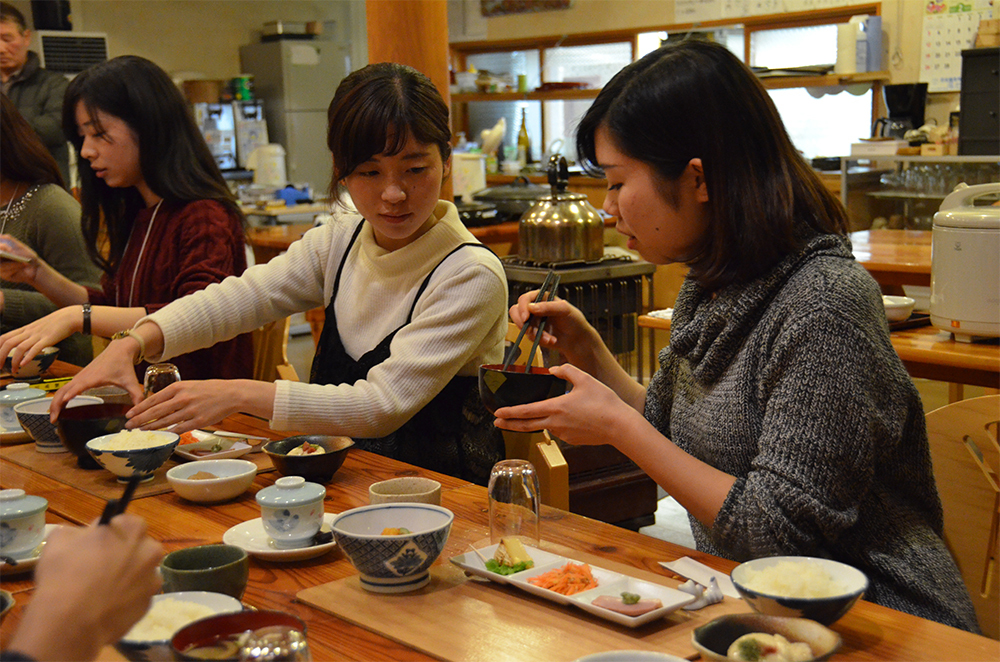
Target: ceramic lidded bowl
{"type": "Point", "coordinates": [291, 511]}
{"type": "Point", "coordinates": [33, 415]}
{"type": "Point", "coordinates": [800, 586]}
{"type": "Point", "coordinates": [216, 637]}
{"type": "Point", "coordinates": [316, 467]}
{"type": "Point", "coordinates": [22, 523]}
{"type": "Point", "coordinates": [393, 563]}
{"type": "Point", "coordinates": [215, 568]}
{"type": "Point", "coordinates": [232, 478]}
{"type": "Point", "coordinates": [132, 452]}
{"type": "Point", "coordinates": [79, 425]}
{"type": "Point", "coordinates": [11, 396]}
{"type": "Point", "coordinates": [35, 367]}
{"type": "Point", "coordinates": [149, 639]}
{"type": "Point", "coordinates": [513, 386]}
{"type": "Point", "coordinates": [713, 639]}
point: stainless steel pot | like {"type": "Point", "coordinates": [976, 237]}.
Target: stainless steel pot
{"type": "Point", "coordinates": [561, 226]}
{"type": "Point", "coordinates": [512, 200]}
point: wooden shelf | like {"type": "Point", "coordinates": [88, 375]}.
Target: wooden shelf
{"type": "Point", "coordinates": [829, 80]}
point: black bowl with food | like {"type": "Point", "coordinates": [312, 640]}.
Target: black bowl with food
{"type": "Point", "coordinates": [78, 425]}
{"type": "Point", "coordinates": [513, 386]}
{"type": "Point", "coordinates": [315, 457]}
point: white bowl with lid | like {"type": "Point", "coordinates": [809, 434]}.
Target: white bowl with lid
{"type": "Point", "coordinates": [22, 523]}
{"type": "Point", "coordinates": [291, 511]}
{"type": "Point", "coordinates": [10, 396]}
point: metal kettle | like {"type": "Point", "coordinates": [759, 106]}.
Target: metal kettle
{"type": "Point", "coordinates": [561, 226]}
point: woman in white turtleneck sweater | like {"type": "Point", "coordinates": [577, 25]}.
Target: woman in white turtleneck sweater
{"type": "Point", "coordinates": [414, 303]}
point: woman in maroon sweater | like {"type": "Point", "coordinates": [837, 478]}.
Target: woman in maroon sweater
{"type": "Point", "coordinates": [158, 217]}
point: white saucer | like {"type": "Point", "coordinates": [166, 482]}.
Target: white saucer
{"type": "Point", "coordinates": [251, 537]}
{"type": "Point", "coordinates": [28, 563]}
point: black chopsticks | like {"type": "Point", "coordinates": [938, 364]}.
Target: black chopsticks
{"type": "Point", "coordinates": [547, 292]}
{"type": "Point", "coordinates": [117, 506]}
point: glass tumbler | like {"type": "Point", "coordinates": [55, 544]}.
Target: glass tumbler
{"type": "Point", "coordinates": [513, 496]}
{"type": "Point", "coordinates": [158, 377]}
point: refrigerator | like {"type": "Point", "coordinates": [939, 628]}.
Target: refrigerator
{"type": "Point", "coordinates": [296, 79]}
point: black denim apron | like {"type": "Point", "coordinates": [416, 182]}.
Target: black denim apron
{"type": "Point", "coordinates": [453, 434]}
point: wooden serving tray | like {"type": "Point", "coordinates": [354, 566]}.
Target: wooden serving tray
{"type": "Point", "coordinates": [458, 618]}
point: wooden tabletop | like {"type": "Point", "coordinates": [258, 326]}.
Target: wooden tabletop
{"type": "Point", "coordinates": [927, 353]}
{"type": "Point", "coordinates": [870, 632]}
{"type": "Point", "coordinates": [894, 257]}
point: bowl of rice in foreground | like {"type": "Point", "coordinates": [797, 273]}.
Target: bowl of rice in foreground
{"type": "Point", "coordinates": [801, 586]}
{"type": "Point", "coordinates": [149, 638]}
{"type": "Point", "coordinates": [133, 451]}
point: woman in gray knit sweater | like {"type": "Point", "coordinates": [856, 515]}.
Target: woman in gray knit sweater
{"type": "Point", "coordinates": [781, 417]}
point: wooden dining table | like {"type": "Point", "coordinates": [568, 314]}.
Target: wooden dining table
{"type": "Point", "coordinates": [869, 631]}
{"type": "Point", "coordinates": [894, 257]}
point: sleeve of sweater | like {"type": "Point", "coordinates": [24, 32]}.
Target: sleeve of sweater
{"type": "Point", "coordinates": [54, 233]}
{"type": "Point", "coordinates": [461, 316]}
{"type": "Point", "coordinates": [835, 409]}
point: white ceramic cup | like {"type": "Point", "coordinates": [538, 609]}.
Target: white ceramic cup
{"type": "Point", "coordinates": [407, 489]}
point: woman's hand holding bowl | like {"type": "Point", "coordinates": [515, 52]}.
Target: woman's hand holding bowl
{"type": "Point", "coordinates": [113, 366]}
{"type": "Point", "coordinates": [24, 343]}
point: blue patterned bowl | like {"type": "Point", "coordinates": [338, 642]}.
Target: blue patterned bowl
{"type": "Point", "coordinates": [393, 563]}
{"type": "Point", "coordinates": [33, 416]}
{"type": "Point", "coordinates": [143, 460]}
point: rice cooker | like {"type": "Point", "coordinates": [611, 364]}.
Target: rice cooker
{"type": "Point", "coordinates": [965, 263]}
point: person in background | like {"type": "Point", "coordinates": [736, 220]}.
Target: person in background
{"type": "Point", "coordinates": [414, 303]}
{"type": "Point", "coordinates": [155, 195]}
{"type": "Point", "coordinates": [36, 92]}
{"type": "Point", "coordinates": [781, 418]}
{"type": "Point", "coordinates": [38, 212]}
{"type": "Point", "coordinates": [91, 585]}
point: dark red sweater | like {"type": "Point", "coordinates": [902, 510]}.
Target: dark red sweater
{"type": "Point", "coordinates": [190, 246]}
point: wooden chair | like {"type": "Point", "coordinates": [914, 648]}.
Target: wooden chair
{"type": "Point", "coordinates": [966, 457]}
{"type": "Point", "coordinates": [270, 352]}
{"type": "Point", "coordinates": [539, 448]}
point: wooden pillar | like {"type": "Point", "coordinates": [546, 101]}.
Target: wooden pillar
{"type": "Point", "coordinates": [415, 33]}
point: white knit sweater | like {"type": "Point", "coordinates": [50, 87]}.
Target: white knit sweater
{"type": "Point", "coordinates": [459, 322]}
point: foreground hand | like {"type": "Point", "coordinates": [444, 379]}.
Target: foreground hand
{"type": "Point", "coordinates": [13, 270]}
{"type": "Point", "coordinates": [112, 366]}
{"type": "Point", "coordinates": [92, 584]}
{"type": "Point", "coordinates": [566, 329]}
{"type": "Point", "coordinates": [590, 414]}
{"type": "Point", "coordinates": [24, 343]}
{"type": "Point", "coordinates": [189, 405]}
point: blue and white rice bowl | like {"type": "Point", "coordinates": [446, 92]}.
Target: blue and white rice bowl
{"type": "Point", "coordinates": [33, 415]}
{"type": "Point", "coordinates": [144, 460]}
{"type": "Point", "coordinates": [137, 647]}
{"type": "Point", "coordinates": [848, 584]}
{"type": "Point", "coordinates": [393, 563]}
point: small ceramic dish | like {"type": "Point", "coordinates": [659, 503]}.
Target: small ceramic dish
{"type": "Point", "coordinates": [28, 563]}
{"type": "Point", "coordinates": [846, 585]}
{"type": "Point", "coordinates": [35, 367]}
{"type": "Point", "coordinates": [125, 462]}
{"type": "Point", "coordinates": [231, 479]}
{"type": "Point", "coordinates": [211, 446]}
{"type": "Point", "coordinates": [898, 308]}
{"type": "Point", "coordinates": [713, 639]}
{"type": "Point", "coordinates": [252, 537]}
{"type": "Point", "coordinates": [315, 468]}
{"type": "Point", "coordinates": [33, 415]}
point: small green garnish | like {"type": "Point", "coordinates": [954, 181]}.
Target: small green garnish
{"type": "Point", "coordinates": [750, 650]}
{"type": "Point", "coordinates": [493, 566]}
{"type": "Point", "coordinates": [630, 598]}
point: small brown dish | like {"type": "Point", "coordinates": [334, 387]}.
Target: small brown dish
{"type": "Point", "coordinates": [713, 639]}
{"type": "Point", "coordinates": [79, 425]}
{"type": "Point", "coordinates": [315, 468]}
{"type": "Point", "coordinates": [513, 386]}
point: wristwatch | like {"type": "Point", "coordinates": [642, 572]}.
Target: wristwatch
{"type": "Point", "coordinates": [86, 319]}
{"type": "Point", "coordinates": [124, 333]}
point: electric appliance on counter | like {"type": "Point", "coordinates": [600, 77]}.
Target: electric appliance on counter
{"type": "Point", "coordinates": [906, 104]}
{"type": "Point", "coordinates": [965, 263]}
{"type": "Point", "coordinates": [295, 80]}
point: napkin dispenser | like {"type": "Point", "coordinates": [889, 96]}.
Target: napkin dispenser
{"type": "Point", "coordinates": [965, 263]}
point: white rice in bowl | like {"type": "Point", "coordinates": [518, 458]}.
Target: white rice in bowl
{"type": "Point", "coordinates": [130, 440]}
{"type": "Point", "coordinates": [793, 579]}
{"type": "Point", "coordinates": [166, 617]}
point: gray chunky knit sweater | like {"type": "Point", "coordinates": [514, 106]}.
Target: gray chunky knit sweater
{"type": "Point", "coordinates": [790, 384]}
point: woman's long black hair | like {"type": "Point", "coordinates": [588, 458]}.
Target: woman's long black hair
{"type": "Point", "coordinates": [694, 100]}
{"type": "Point", "coordinates": [174, 159]}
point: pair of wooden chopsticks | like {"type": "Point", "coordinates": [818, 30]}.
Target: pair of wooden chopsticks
{"type": "Point", "coordinates": [547, 292]}
{"type": "Point", "coordinates": [117, 506]}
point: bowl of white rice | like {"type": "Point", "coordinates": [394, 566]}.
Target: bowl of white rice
{"type": "Point", "coordinates": [801, 586]}
{"type": "Point", "coordinates": [149, 638]}
{"type": "Point", "coordinates": [133, 451]}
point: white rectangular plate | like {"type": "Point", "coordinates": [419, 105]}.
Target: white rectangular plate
{"type": "Point", "coordinates": [237, 449]}
{"type": "Point", "coordinates": [608, 583]}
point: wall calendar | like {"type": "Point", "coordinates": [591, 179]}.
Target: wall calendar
{"type": "Point", "coordinates": [950, 27]}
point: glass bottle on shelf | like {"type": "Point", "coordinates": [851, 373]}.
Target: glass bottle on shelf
{"type": "Point", "coordinates": [523, 142]}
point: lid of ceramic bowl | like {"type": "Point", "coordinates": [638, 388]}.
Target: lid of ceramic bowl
{"type": "Point", "coordinates": [290, 491]}
{"type": "Point", "coordinates": [15, 503]}
{"type": "Point", "coordinates": [19, 392]}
